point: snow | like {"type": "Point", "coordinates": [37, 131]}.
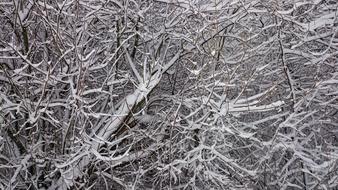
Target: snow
{"type": "Point", "coordinates": [234, 107]}
{"type": "Point", "coordinates": [195, 72]}
{"type": "Point", "coordinates": [261, 113]}
{"type": "Point", "coordinates": [24, 164]}
{"type": "Point", "coordinates": [23, 14]}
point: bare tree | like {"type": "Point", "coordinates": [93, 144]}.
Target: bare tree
{"type": "Point", "coordinates": [168, 94]}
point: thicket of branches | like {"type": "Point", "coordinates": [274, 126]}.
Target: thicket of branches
{"type": "Point", "coordinates": [168, 94]}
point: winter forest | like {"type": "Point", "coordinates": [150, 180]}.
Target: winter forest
{"type": "Point", "coordinates": [169, 94]}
